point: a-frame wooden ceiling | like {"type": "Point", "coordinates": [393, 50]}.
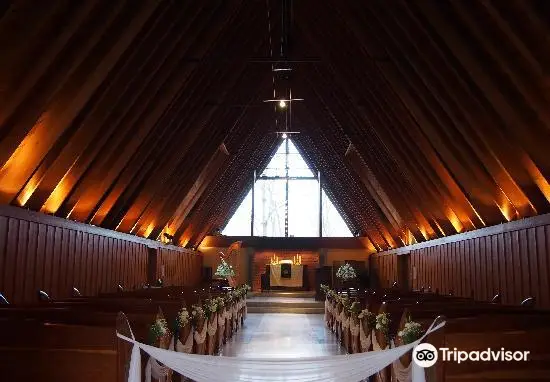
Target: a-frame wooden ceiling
{"type": "Point", "coordinates": [426, 118]}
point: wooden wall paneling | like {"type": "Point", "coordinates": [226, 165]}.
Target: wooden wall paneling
{"type": "Point", "coordinates": [64, 263]}
{"type": "Point", "coordinates": [22, 241]}
{"type": "Point", "coordinates": [525, 258]}
{"type": "Point", "coordinates": [511, 260]}
{"type": "Point", "coordinates": [54, 289]}
{"type": "Point", "coordinates": [71, 260]}
{"type": "Point", "coordinates": [486, 248]}
{"type": "Point", "coordinates": [30, 267]}
{"type": "Point", "coordinates": [517, 267]}
{"type": "Point", "coordinates": [11, 257]}
{"type": "Point", "coordinates": [542, 266]}
{"type": "Point", "coordinates": [4, 224]}
{"type": "Point", "coordinates": [510, 269]}
{"type": "Point", "coordinates": [534, 267]}
{"type": "Point", "coordinates": [500, 258]}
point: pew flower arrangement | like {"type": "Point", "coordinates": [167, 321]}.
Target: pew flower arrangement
{"type": "Point", "coordinates": [355, 308]}
{"type": "Point", "coordinates": [210, 307]}
{"type": "Point", "coordinates": [411, 332]}
{"type": "Point", "coordinates": [182, 318]}
{"type": "Point", "coordinates": [197, 314]}
{"type": "Point", "coordinates": [158, 329]}
{"type": "Point", "coordinates": [346, 272]}
{"type": "Point", "coordinates": [220, 302]}
{"type": "Point", "coordinates": [369, 317]}
{"type": "Point", "coordinates": [225, 270]}
{"type": "Point", "coordinates": [383, 323]}
{"type": "Point", "coordinates": [325, 289]}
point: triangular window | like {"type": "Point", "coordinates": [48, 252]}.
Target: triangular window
{"type": "Point", "coordinates": [286, 202]}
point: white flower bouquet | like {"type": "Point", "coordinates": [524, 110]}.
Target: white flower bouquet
{"type": "Point", "coordinates": [411, 332]}
{"type": "Point", "coordinates": [383, 323]}
{"type": "Point", "coordinates": [346, 272]}
{"type": "Point", "coordinates": [183, 318]}
{"type": "Point", "coordinates": [158, 329]}
{"type": "Point", "coordinates": [197, 314]}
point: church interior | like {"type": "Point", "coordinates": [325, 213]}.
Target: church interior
{"type": "Point", "coordinates": [274, 190]}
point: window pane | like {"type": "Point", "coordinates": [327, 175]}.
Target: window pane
{"type": "Point", "coordinates": [333, 223]}
{"type": "Point", "coordinates": [269, 208]}
{"type": "Point", "coordinates": [303, 208]}
{"type": "Point", "coordinates": [239, 225]}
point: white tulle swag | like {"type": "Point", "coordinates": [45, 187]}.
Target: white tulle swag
{"type": "Point", "coordinates": [352, 367]}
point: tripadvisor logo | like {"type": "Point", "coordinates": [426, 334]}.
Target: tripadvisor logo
{"type": "Point", "coordinates": [426, 355]}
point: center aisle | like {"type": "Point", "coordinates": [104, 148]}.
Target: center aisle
{"type": "Point", "coordinates": [283, 335]}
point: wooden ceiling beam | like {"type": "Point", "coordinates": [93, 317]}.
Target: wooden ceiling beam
{"type": "Point", "coordinates": [148, 96]}
{"type": "Point", "coordinates": [183, 123]}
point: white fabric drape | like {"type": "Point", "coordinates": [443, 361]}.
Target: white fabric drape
{"type": "Point", "coordinates": [155, 370]}
{"type": "Point", "coordinates": [363, 339]}
{"type": "Point", "coordinates": [351, 367]}
{"type": "Point", "coordinates": [200, 337]}
{"type": "Point", "coordinates": [183, 348]}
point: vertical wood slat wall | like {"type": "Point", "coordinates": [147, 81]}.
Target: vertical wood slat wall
{"type": "Point", "coordinates": [180, 268]}
{"type": "Point", "coordinates": [385, 270]}
{"type": "Point", "coordinates": [511, 259]}
{"type": "Point", "coordinates": [38, 251]}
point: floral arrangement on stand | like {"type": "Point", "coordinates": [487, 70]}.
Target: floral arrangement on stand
{"type": "Point", "coordinates": [346, 272]}
{"type": "Point", "coordinates": [225, 270]}
{"type": "Point", "coordinates": [411, 332]}
{"type": "Point", "coordinates": [158, 330]}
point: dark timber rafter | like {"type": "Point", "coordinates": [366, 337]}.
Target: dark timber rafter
{"type": "Point", "coordinates": [425, 118]}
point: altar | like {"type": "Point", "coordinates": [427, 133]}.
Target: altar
{"type": "Point", "coordinates": [286, 275]}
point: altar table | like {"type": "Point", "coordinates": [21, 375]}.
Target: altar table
{"type": "Point", "coordinates": [296, 279]}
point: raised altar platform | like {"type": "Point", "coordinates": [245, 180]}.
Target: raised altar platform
{"type": "Point", "coordinates": [284, 302]}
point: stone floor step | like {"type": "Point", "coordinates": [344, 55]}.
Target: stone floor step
{"type": "Point", "coordinates": [283, 304]}
{"type": "Point", "coordinates": [293, 294]}
{"type": "Point", "coordinates": [287, 309]}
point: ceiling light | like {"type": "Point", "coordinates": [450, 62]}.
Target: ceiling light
{"type": "Point", "coordinates": [282, 104]}
{"type": "Point", "coordinates": [284, 136]}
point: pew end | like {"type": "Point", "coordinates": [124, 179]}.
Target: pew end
{"type": "Point", "coordinates": [43, 296]}
{"type": "Point", "coordinates": [3, 300]}
{"type": "Point", "coordinates": [529, 302]}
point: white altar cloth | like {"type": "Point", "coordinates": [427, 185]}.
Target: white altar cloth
{"type": "Point", "coordinates": [296, 279]}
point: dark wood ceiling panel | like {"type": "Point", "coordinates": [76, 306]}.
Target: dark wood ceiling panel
{"type": "Point", "coordinates": [425, 118]}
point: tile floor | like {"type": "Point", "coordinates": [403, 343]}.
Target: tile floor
{"type": "Point", "coordinates": [282, 335]}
